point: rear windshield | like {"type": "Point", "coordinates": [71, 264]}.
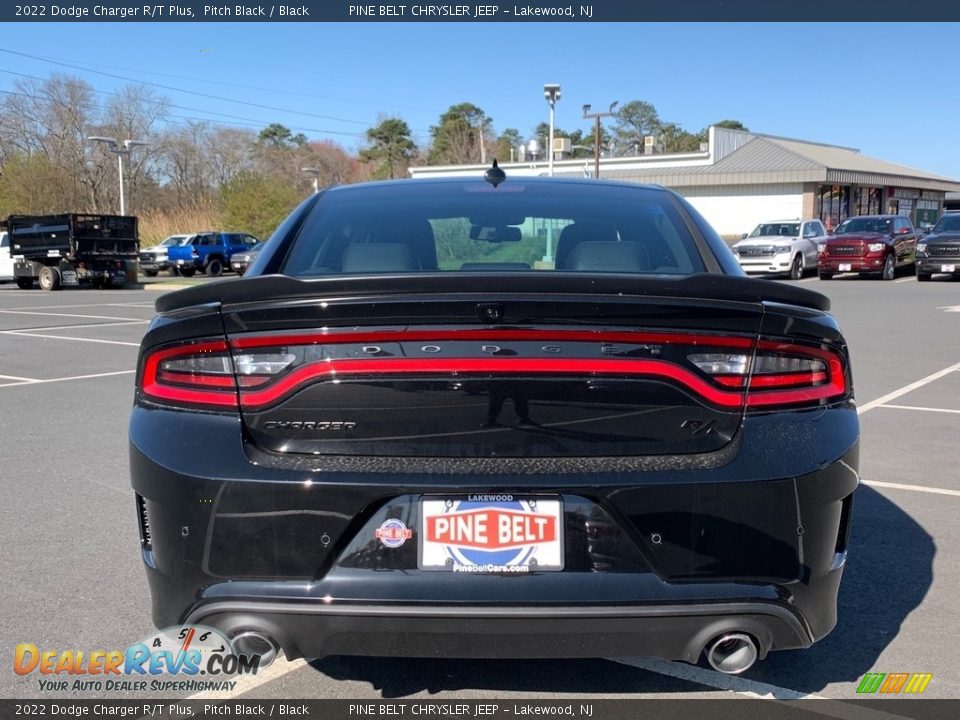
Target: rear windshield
{"type": "Point", "coordinates": [474, 227]}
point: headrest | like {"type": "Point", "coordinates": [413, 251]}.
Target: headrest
{"type": "Point", "coordinates": [378, 257]}
{"type": "Point", "coordinates": [608, 257]}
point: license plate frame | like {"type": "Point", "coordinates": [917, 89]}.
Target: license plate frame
{"type": "Point", "coordinates": [490, 533]}
{"type": "Point", "coordinates": [844, 267]}
{"type": "Point", "coordinates": [948, 268]}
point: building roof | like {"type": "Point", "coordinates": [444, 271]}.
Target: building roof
{"type": "Point", "coordinates": [736, 157]}
{"type": "Point", "coordinates": [767, 159]}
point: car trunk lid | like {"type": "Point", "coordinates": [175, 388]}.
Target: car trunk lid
{"type": "Point", "coordinates": [430, 369]}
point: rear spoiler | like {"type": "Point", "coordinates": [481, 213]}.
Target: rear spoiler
{"type": "Point", "coordinates": [704, 286]}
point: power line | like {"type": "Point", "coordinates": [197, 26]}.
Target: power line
{"type": "Point", "coordinates": [236, 85]}
{"type": "Point", "coordinates": [189, 92]}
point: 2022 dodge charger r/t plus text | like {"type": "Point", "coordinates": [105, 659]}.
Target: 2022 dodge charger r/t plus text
{"type": "Point", "coordinates": [481, 417]}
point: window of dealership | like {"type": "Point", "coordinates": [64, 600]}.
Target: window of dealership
{"type": "Point", "coordinates": [835, 203]}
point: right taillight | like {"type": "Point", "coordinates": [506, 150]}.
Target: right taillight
{"type": "Point", "coordinates": [778, 373]}
{"type": "Point", "coordinates": [194, 374]}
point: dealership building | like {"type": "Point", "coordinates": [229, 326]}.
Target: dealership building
{"type": "Point", "coordinates": [739, 179]}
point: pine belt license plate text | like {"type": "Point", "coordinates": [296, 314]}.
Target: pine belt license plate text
{"type": "Point", "coordinates": [844, 267]}
{"type": "Point", "coordinates": [491, 533]}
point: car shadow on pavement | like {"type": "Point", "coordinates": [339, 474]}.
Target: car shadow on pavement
{"type": "Point", "coordinates": [402, 677]}
{"type": "Point", "coordinates": [889, 571]}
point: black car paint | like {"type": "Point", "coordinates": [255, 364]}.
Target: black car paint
{"type": "Point", "coordinates": [664, 551]}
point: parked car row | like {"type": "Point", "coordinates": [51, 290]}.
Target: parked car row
{"type": "Point", "coordinates": [208, 252]}
{"type": "Point", "coordinates": [871, 245]}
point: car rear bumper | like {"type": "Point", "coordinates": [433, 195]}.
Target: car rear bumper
{"type": "Point", "coordinates": [678, 632]}
{"type": "Point", "coordinates": [752, 541]}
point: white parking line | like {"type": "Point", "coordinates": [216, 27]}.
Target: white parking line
{"type": "Point", "coordinates": [912, 488]}
{"type": "Point", "coordinates": [714, 679]}
{"type": "Point", "coordinates": [66, 379]}
{"type": "Point", "coordinates": [76, 306]}
{"type": "Point", "coordinates": [79, 327]}
{"type": "Point", "coordinates": [31, 334]}
{"type": "Point", "coordinates": [906, 388]}
{"type": "Point", "coordinates": [923, 409]}
{"type": "Point", "coordinates": [756, 689]}
{"type": "Point", "coordinates": [14, 377]}
{"type": "Point", "coordinates": [909, 278]}
{"type": "Point", "coordinates": [277, 669]}
{"type": "Point", "coordinates": [68, 315]}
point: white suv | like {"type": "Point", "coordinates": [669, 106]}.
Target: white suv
{"type": "Point", "coordinates": [783, 247]}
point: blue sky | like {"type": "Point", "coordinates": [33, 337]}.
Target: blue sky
{"type": "Point", "coordinates": [882, 88]}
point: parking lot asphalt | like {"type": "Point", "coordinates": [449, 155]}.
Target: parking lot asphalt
{"type": "Point", "coordinates": [70, 553]}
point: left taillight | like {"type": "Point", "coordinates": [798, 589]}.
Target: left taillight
{"type": "Point", "coordinates": [196, 374]}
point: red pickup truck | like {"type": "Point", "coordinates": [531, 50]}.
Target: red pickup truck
{"type": "Point", "coordinates": [869, 245]}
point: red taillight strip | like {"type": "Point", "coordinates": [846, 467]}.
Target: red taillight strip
{"type": "Point", "coordinates": [218, 381]}
{"type": "Point", "coordinates": [418, 334]}
{"type": "Point", "coordinates": [153, 386]}
{"type": "Point", "coordinates": [768, 381]}
{"type": "Point", "coordinates": [341, 369]}
{"type": "Point", "coordinates": [835, 387]}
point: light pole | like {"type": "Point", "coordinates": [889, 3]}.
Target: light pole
{"type": "Point", "coordinates": [316, 174]}
{"type": "Point", "coordinates": [552, 93]}
{"type": "Point", "coordinates": [596, 133]}
{"type": "Point", "coordinates": [113, 147]}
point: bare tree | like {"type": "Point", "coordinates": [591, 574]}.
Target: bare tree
{"type": "Point", "coordinates": [50, 118]}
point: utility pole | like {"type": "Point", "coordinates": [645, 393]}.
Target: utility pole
{"type": "Point", "coordinates": [551, 92]}
{"type": "Point", "coordinates": [596, 133]}
{"type": "Point", "coordinates": [120, 152]}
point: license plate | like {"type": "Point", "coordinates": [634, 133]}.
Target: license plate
{"type": "Point", "coordinates": [948, 268]}
{"type": "Point", "coordinates": [491, 533]}
{"type": "Point", "coordinates": [68, 277]}
{"type": "Point", "coordinates": [844, 267]}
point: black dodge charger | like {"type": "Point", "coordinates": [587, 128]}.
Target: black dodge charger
{"type": "Point", "coordinates": [496, 417]}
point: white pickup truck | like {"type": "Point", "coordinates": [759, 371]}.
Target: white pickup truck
{"type": "Point", "coordinates": [6, 260]}
{"type": "Point", "coordinates": [781, 247]}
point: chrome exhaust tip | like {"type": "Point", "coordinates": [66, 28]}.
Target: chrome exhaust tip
{"type": "Point", "coordinates": [251, 642]}
{"type": "Point", "coordinates": [732, 653]}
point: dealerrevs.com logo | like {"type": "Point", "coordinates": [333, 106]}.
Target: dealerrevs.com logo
{"type": "Point", "coordinates": [188, 658]}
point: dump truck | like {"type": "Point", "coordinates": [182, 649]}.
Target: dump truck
{"type": "Point", "coordinates": [70, 250]}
